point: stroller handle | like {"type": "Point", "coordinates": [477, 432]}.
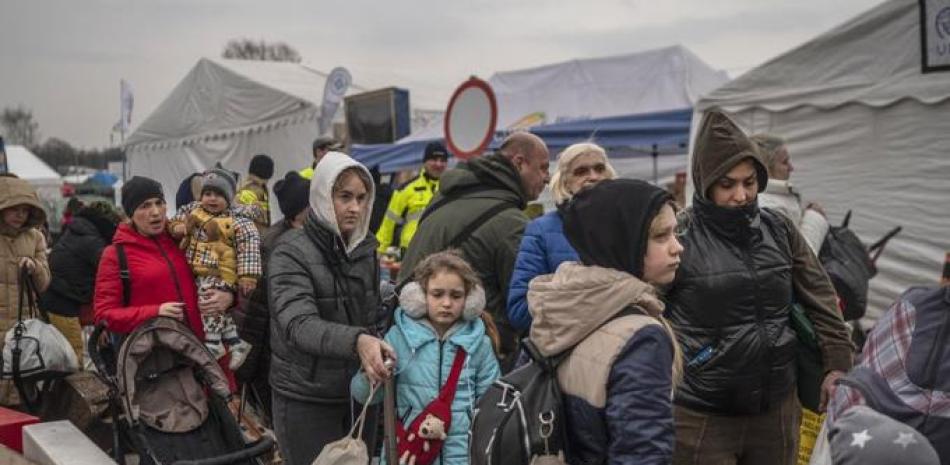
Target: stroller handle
{"type": "Point", "coordinates": [94, 353]}
{"type": "Point", "coordinates": [254, 450]}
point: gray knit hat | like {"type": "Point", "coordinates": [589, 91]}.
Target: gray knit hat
{"type": "Point", "coordinates": [866, 437]}
{"type": "Point", "coordinates": [220, 180]}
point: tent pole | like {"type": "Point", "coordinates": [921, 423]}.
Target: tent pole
{"type": "Point", "coordinates": [656, 170]}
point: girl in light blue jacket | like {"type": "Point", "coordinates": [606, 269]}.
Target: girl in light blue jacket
{"type": "Point", "coordinates": [440, 312]}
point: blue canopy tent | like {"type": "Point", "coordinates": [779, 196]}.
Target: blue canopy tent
{"type": "Point", "coordinates": [392, 157]}
{"type": "Point", "coordinates": [623, 136]}
{"type": "Point", "coordinates": [103, 178]}
{"type": "Point", "coordinates": [627, 136]}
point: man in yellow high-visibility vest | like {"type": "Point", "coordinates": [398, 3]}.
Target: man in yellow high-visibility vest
{"type": "Point", "coordinates": [408, 203]}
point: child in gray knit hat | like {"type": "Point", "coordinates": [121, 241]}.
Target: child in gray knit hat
{"type": "Point", "coordinates": [863, 436]}
{"type": "Point", "coordinates": [223, 248]}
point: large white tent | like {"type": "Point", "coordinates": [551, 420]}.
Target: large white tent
{"type": "Point", "coordinates": [663, 79]}
{"type": "Point", "coordinates": [227, 111]}
{"type": "Point", "coordinates": [642, 83]}
{"type": "Point", "coordinates": [867, 131]}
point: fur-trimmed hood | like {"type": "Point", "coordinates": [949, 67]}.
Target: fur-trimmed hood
{"type": "Point", "coordinates": [467, 334]}
{"type": "Point", "coordinates": [15, 191]}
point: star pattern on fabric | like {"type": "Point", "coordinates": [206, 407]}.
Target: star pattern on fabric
{"type": "Point", "coordinates": [905, 439]}
{"type": "Point", "coordinates": [860, 439]}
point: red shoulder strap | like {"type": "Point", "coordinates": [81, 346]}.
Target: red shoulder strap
{"type": "Point", "coordinates": [447, 392]}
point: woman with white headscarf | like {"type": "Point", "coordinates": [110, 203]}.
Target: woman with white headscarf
{"type": "Point", "coordinates": [323, 286]}
{"type": "Point", "coordinates": [544, 245]}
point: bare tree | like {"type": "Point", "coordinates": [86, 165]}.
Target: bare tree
{"type": "Point", "coordinates": [57, 153]}
{"type": "Point", "coordinates": [248, 49]}
{"type": "Point", "coordinates": [19, 127]}
{"type": "Point", "coordinates": [60, 155]}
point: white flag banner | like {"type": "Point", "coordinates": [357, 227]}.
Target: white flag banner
{"type": "Point", "coordinates": [126, 101]}
{"type": "Point", "coordinates": [935, 35]}
{"type": "Point", "coordinates": [338, 82]}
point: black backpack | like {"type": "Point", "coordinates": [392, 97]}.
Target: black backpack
{"type": "Point", "coordinates": [850, 265]}
{"type": "Point", "coordinates": [390, 291]}
{"type": "Point", "coordinates": [521, 415]}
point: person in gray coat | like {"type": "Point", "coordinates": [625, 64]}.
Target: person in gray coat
{"type": "Point", "coordinates": [323, 286]}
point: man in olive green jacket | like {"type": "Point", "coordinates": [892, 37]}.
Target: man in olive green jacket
{"type": "Point", "coordinates": [499, 185]}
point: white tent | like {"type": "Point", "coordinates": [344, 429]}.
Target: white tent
{"type": "Point", "coordinates": [663, 79]}
{"type": "Point", "coordinates": [227, 111]}
{"type": "Point", "coordinates": [641, 83]}
{"type": "Point", "coordinates": [47, 182]}
{"type": "Point", "coordinates": [26, 165]}
{"type": "Point", "coordinates": [867, 131]}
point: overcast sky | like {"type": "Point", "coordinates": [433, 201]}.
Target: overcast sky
{"type": "Point", "coordinates": [64, 59]}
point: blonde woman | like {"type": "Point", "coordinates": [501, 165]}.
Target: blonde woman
{"type": "Point", "coordinates": [544, 246]}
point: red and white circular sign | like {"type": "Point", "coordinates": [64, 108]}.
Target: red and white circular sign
{"type": "Point", "coordinates": [470, 119]}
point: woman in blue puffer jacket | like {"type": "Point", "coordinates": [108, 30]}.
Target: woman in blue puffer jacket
{"type": "Point", "coordinates": [440, 313]}
{"type": "Point", "coordinates": [544, 246]}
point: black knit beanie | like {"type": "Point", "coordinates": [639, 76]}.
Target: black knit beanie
{"type": "Point", "coordinates": [609, 224]}
{"type": "Point", "coordinates": [262, 166]}
{"type": "Point", "coordinates": [435, 150]}
{"type": "Point", "coordinates": [293, 194]}
{"type": "Point", "coordinates": [137, 190]}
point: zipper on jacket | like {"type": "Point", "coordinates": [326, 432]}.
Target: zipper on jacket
{"type": "Point", "coordinates": [760, 329]}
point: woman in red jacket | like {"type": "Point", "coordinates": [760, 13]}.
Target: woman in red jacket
{"type": "Point", "coordinates": [161, 281]}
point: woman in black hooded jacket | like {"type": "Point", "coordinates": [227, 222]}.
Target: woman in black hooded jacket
{"type": "Point", "coordinates": [73, 264]}
{"type": "Point", "coordinates": [742, 269]}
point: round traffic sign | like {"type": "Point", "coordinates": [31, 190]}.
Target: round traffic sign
{"type": "Point", "coordinates": [470, 119]}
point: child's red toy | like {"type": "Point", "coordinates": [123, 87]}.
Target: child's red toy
{"type": "Point", "coordinates": [421, 443]}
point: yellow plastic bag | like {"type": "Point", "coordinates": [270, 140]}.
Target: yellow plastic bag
{"type": "Point", "coordinates": [808, 434]}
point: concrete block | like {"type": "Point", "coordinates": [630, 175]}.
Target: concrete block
{"type": "Point", "coordinates": [61, 443]}
{"type": "Point", "coordinates": [11, 457]}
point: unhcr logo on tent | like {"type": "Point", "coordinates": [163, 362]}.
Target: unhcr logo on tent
{"type": "Point", "coordinates": [942, 24]}
{"type": "Point", "coordinates": [935, 35]}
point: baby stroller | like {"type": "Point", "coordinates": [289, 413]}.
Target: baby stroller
{"type": "Point", "coordinates": [169, 398]}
